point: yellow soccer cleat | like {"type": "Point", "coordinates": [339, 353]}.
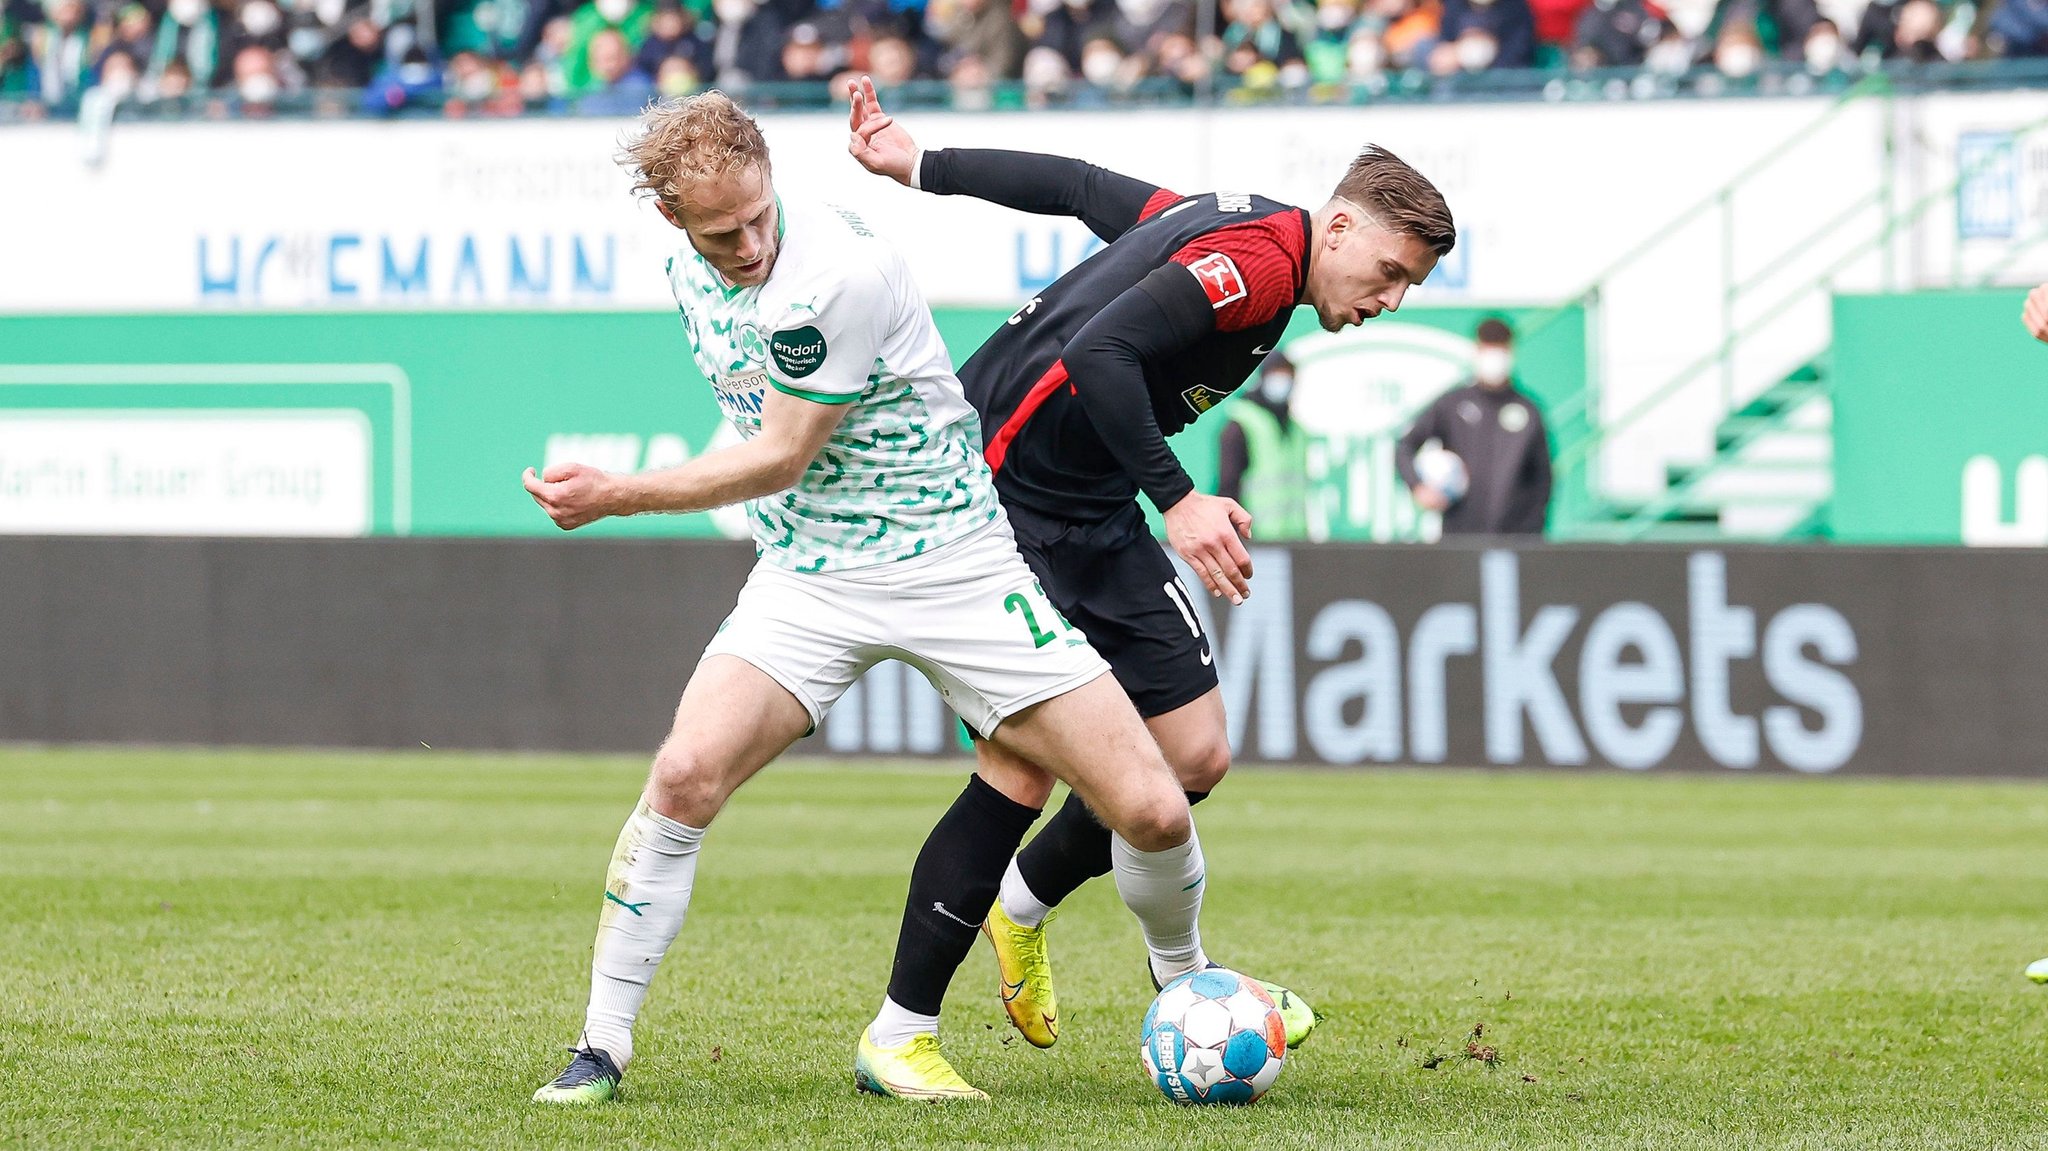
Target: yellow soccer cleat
{"type": "Point", "coordinates": [916, 1070]}
{"type": "Point", "coordinates": [1299, 1017]}
{"type": "Point", "coordinates": [1025, 972]}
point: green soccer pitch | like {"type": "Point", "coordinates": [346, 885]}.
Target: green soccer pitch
{"type": "Point", "coordinates": [341, 950]}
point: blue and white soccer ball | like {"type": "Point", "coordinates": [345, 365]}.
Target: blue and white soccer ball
{"type": "Point", "coordinates": [1213, 1036]}
{"type": "Point", "coordinates": [1440, 468]}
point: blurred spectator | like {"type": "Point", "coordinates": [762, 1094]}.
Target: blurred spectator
{"type": "Point", "coordinates": [1046, 76]}
{"type": "Point", "coordinates": [749, 43]}
{"type": "Point", "coordinates": [353, 59]}
{"type": "Point", "coordinates": [1494, 427]}
{"type": "Point", "coordinates": [17, 71]}
{"type": "Point", "coordinates": [677, 77]}
{"type": "Point", "coordinates": [257, 86]}
{"type": "Point", "coordinates": [1104, 65]}
{"type": "Point", "coordinates": [61, 50]}
{"type": "Point", "coordinates": [1672, 55]}
{"type": "Point", "coordinates": [1781, 26]}
{"type": "Point", "coordinates": [629, 18]}
{"type": "Point", "coordinates": [973, 88]}
{"type": "Point", "coordinates": [1141, 23]}
{"type": "Point", "coordinates": [1068, 25]}
{"type": "Point", "coordinates": [493, 29]}
{"type": "Point", "coordinates": [892, 61]}
{"type": "Point", "coordinates": [174, 83]}
{"type": "Point", "coordinates": [1822, 52]}
{"type": "Point", "coordinates": [1508, 40]}
{"type": "Point", "coordinates": [257, 24]}
{"type": "Point", "coordinates": [986, 29]}
{"type": "Point", "coordinates": [1738, 52]}
{"type": "Point", "coordinates": [1616, 34]}
{"type": "Point", "coordinates": [119, 76]}
{"type": "Point", "coordinates": [412, 80]}
{"type": "Point", "coordinates": [478, 85]}
{"type": "Point", "coordinates": [1408, 30]}
{"type": "Point", "coordinates": [134, 36]}
{"type": "Point", "coordinates": [804, 55]}
{"type": "Point", "coordinates": [1365, 56]}
{"type": "Point", "coordinates": [1262, 456]}
{"type": "Point", "coordinates": [674, 31]}
{"type": "Point", "coordinates": [1257, 36]}
{"type": "Point", "coordinates": [2018, 28]}
{"type": "Point", "coordinates": [1555, 22]}
{"type": "Point", "coordinates": [1915, 25]}
{"type": "Point", "coordinates": [190, 33]}
{"type": "Point", "coordinates": [617, 87]}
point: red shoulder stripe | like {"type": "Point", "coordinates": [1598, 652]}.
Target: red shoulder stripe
{"type": "Point", "coordinates": [1160, 201]}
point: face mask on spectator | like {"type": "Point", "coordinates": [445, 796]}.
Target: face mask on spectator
{"type": "Point", "coordinates": [1668, 57]}
{"type": "Point", "coordinates": [1365, 57]}
{"type": "Point", "coordinates": [329, 12]}
{"type": "Point", "coordinates": [118, 82]}
{"type": "Point", "coordinates": [1476, 53]}
{"type": "Point", "coordinates": [478, 85]}
{"type": "Point", "coordinates": [1275, 387]}
{"type": "Point", "coordinates": [187, 12]}
{"type": "Point", "coordinates": [1491, 364]}
{"type": "Point", "coordinates": [415, 73]}
{"type": "Point", "coordinates": [1140, 11]}
{"type": "Point", "coordinates": [1737, 60]}
{"type": "Point", "coordinates": [733, 11]}
{"type": "Point", "coordinates": [260, 18]}
{"type": "Point", "coordinates": [1334, 17]}
{"type": "Point", "coordinates": [260, 88]}
{"type": "Point", "coordinates": [1098, 65]}
{"type": "Point", "coordinates": [1823, 53]}
{"type": "Point", "coordinates": [614, 11]}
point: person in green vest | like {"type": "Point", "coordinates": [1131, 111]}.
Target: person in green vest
{"type": "Point", "coordinates": [1262, 456]}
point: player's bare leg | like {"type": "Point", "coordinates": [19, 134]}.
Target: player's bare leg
{"type": "Point", "coordinates": [1092, 739]}
{"type": "Point", "coordinates": [733, 719]}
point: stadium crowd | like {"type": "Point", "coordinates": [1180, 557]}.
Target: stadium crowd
{"type": "Point", "coordinates": [505, 57]}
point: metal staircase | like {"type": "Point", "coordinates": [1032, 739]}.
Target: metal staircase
{"type": "Point", "coordinates": [1767, 473]}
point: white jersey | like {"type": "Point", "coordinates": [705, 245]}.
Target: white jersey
{"type": "Point", "coordinates": [840, 321]}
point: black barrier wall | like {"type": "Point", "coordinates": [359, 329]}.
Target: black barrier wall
{"type": "Point", "coordinates": [1810, 659]}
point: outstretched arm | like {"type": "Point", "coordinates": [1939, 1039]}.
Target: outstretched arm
{"type": "Point", "coordinates": [1109, 203]}
{"type": "Point", "coordinates": [793, 432]}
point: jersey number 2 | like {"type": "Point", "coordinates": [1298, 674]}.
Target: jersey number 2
{"type": "Point", "coordinates": [1016, 602]}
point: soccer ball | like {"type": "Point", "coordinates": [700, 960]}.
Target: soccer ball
{"type": "Point", "coordinates": [1440, 468]}
{"type": "Point", "coordinates": [1213, 1036]}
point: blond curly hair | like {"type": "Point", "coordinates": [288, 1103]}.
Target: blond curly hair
{"type": "Point", "coordinates": [685, 141]}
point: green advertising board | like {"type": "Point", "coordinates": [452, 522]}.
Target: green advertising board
{"type": "Point", "coordinates": [1941, 421]}
{"type": "Point", "coordinates": [421, 423]}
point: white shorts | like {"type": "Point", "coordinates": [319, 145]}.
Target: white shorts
{"type": "Point", "coordinates": [970, 616]}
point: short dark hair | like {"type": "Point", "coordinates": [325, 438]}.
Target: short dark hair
{"type": "Point", "coordinates": [1494, 330]}
{"type": "Point", "coordinates": [1399, 197]}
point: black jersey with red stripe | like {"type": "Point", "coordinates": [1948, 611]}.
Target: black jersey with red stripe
{"type": "Point", "coordinates": [1078, 389]}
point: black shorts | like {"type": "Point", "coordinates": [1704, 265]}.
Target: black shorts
{"type": "Point", "coordinates": [1113, 581]}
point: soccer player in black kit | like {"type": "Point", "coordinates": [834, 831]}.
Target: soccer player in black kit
{"type": "Point", "coordinates": [1077, 393]}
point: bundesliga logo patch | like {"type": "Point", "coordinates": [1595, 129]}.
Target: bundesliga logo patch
{"type": "Point", "coordinates": [1219, 278]}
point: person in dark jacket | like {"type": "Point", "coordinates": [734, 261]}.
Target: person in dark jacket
{"type": "Point", "coordinates": [1495, 428]}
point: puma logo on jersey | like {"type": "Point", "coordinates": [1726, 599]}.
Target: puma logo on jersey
{"type": "Point", "coordinates": [1220, 279]}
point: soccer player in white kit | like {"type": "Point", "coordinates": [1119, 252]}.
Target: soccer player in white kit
{"type": "Point", "coordinates": [880, 537]}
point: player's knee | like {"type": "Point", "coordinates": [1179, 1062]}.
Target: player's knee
{"type": "Point", "coordinates": [1156, 822]}
{"type": "Point", "coordinates": [685, 785]}
{"type": "Point", "coordinates": [1203, 766]}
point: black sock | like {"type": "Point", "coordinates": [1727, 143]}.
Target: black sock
{"type": "Point", "coordinates": [952, 886]}
{"type": "Point", "coordinates": [1072, 849]}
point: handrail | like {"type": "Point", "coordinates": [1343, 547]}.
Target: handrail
{"type": "Point", "coordinates": [1575, 454]}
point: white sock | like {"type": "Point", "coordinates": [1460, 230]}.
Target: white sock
{"type": "Point", "coordinates": [1164, 890]}
{"type": "Point", "coordinates": [647, 891]}
{"type": "Point", "coordinates": [1023, 908]}
{"type": "Point", "coordinates": [896, 1025]}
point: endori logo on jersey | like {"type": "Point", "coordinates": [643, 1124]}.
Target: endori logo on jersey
{"type": "Point", "coordinates": [798, 351]}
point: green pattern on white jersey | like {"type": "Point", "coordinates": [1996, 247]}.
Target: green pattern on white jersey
{"type": "Point", "coordinates": [903, 471]}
